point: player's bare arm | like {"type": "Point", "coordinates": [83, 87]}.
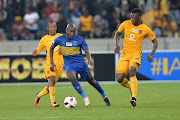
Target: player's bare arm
{"type": "Point", "coordinates": [116, 40]}
{"type": "Point", "coordinates": [51, 58]}
{"type": "Point", "coordinates": [35, 53]}
{"type": "Point", "coordinates": [88, 56]}
{"type": "Point", "coordinates": [155, 45]}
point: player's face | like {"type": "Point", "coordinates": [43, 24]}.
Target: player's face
{"type": "Point", "coordinates": [134, 18]}
{"type": "Point", "coordinates": [52, 27]}
{"type": "Point", "coordinates": [70, 32]}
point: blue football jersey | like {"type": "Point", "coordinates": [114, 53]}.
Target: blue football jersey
{"type": "Point", "coordinates": [71, 49]}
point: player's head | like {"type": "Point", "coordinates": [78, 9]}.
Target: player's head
{"type": "Point", "coordinates": [52, 27]}
{"type": "Point", "coordinates": [136, 16]}
{"type": "Point", "coordinates": [70, 31]}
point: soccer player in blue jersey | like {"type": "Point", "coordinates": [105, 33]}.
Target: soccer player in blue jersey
{"type": "Point", "coordinates": [74, 63]}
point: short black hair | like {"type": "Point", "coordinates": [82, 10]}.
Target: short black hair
{"type": "Point", "coordinates": [136, 11]}
{"type": "Point", "coordinates": [51, 21]}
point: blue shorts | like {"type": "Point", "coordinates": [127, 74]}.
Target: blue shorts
{"type": "Point", "coordinates": [83, 70]}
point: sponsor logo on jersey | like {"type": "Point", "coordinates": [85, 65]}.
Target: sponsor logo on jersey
{"type": "Point", "coordinates": [134, 30]}
{"type": "Point", "coordinates": [68, 43]}
{"type": "Point", "coordinates": [132, 36]}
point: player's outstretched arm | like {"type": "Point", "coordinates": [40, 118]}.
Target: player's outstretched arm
{"type": "Point", "coordinates": [51, 58]}
{"type": "Point", "coordinates": [39, 48]}
{"type": "Point", "coordinates": [88, 56]}
{"type": "Point", "coordinates": [116, 40]}
{"type": "Point", "coordinates": [155, 45]}
{"type": "Point", "coordinates": [35, 53]}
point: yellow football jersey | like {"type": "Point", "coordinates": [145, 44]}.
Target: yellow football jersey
{"type": "Point", "coordinates": [133, 36]}
{"type": "Point", "coordinates": [46, 42]}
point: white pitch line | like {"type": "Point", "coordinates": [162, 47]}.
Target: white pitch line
{"type": "Point", "coordinates": [145, 116]}
{"type": "Point", "coordinates": [84, 82]}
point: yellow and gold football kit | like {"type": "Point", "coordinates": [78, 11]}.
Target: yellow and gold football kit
{"type": "Point", "coordinates": [46, 42]}
{"type": "Point", "coordinates": [131, 51]}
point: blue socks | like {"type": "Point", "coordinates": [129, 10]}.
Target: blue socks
{"type": "Point", "coordinates": [100, 90]}
{"type": "Point", "coordinates": [78, 88]}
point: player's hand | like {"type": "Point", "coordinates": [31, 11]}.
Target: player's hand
{"type": "Point", "coordinates": [149, 58]}
{"type": "Point", "coordinates": [90, 63]}
{"type": "Point", "coordinates": [117, 50]}
{"type": "Point", "coordinates": [35, 53]}
{"type": "Point", "coordinates": [52, 67]}
{"type": "Point", "coordinates": [60, 51]}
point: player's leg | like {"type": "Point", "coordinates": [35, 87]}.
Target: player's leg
{"type": "Point", "coordinates": [135, 63]}
{"type": "Point", "coordinates": [72, 77]}
{"type": "Point", "coordinates": [58, 71]}
{"type": "Point", "coordinates": [51, 83]}
{"type": "Point", "coordinates": [121, 71]}
{"type": "Point", "coordinates": [134, 83]}
{"type": "Point", "coordinates": [86, 75]}
{"type": "Point", "coordinates": [98, 87]}
{"type": "Point", "coordinates": [45, 91]}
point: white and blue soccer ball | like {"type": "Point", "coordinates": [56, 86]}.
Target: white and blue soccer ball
{"type": "Point", "coordinates": [70, 102]}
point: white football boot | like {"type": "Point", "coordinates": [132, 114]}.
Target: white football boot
{"type": "Point", "coordinates": [87, 101]}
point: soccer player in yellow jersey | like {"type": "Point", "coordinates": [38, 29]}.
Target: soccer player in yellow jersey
{"type": "Point", "coordinates": [52, 77]}
{"type": "Point", "coordinates": [130, 59]}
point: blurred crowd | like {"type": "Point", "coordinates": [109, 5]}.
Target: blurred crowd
{"type": "Point", "coordinates": [27, 19]}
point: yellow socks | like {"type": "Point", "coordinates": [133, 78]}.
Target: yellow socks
{"type": "Point", "coordinates": [125, 83]}
{"type": "Point", "coordinates": [43, 92]}
{"type": "Point", "coordinates": [134, 85]}
{"type": "Point", "coordinates": [52, 94]}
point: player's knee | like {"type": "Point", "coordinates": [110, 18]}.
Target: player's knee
{"type": "Point", "coordinates": [91, 81]}
{"type": "Point", "coordinates": [72, 78]}
{"type": "Point", "coordinates": [51, 81]}
{"type": "Point", "coordinates": [119, 78]}
{"type": "Point", "coordinates": [132, 72]}
{"type": "Point", "coordinates": [47, 88]}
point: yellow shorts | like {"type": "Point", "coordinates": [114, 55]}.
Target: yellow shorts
{"type": "Point", "coordinates": [125, 63]}
{"type": "Point", "coordinates": [48, 72]}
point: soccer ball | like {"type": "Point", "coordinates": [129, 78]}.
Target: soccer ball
{"type": "Point", "coordinates": [70, 102]}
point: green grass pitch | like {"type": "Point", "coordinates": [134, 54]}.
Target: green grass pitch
{"type": "Point", "coordinates": [155, 101]}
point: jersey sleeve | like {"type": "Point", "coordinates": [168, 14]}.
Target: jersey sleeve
{"type": "Point", "coordinates": [55, 42]}
{"type": "Point", "coordinates": [121, 27]}
{"type": "Point", "coordinates": [59, 34]}
{"type": "Point", "coordinates": [84, 44]}
{"type": "Point", "coordinates": [40, 46]}
{"type": "Point", "coordinates": [150, 34]}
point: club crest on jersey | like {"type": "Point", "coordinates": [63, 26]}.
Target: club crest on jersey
{"type": "Point", "coordinates": [140, 31]}
{"type": "Point", "coordinates": [134, 30]}
{"type": "Point", "coordinates": [74, 43]}
{"type": "Point", "coordinates": [68, 44]}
